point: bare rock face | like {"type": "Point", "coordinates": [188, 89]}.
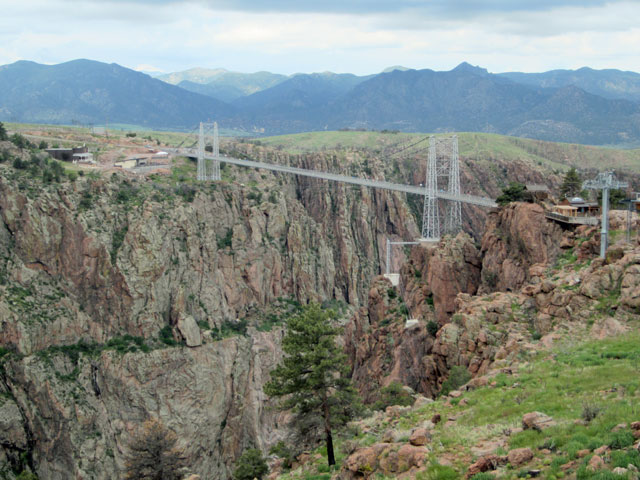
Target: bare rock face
{"type": "Point", "coordinates": [451, 267]}
{"type": "Point", "coordinates": [517, 237]}
{"type": "Point", "coordinates": [190, 331]}
{"type": "Point", "coordinates": [100, 259]}
{"type": "Point", "coordinates": [382, 351]}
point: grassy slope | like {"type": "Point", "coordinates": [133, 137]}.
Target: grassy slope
{"type": "Point", "coordinates": [479, 146]}
{"type": "Point", "coordinates": [602, 375]}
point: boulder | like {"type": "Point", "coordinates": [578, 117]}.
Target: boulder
{"type": "Point", "coordinates": [537, 421]}
{"type": "Point", "coordinates": [596, 463]}
{"type": "Point", "coordinates": [519, 456]}
{"type": "Point", "coordinates": [420, 437]}
{"type": "Point", "coordinates": [483, 464]}
{"type": "Point", "coordinates": [190, 331]}
{"type": "Point", "coordinates": [421, 401]}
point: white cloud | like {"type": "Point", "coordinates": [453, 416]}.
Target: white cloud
{"type": "Point", "coordinates": [175, 35]}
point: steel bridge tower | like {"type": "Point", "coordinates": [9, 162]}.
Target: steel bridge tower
{"type": "Point", "coordinates": [443, 174]}
{"type": "Point", "coordinates": [208, 168]}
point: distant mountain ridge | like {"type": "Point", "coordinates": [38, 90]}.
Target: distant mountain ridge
{"type": "Point", "coordinates": [466, 98]}
{"type": "Point", "coordinates": [87, 91]}
{"type": "Point", "coordinates": [613, 84]}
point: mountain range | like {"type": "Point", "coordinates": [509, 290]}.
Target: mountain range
{"type": "Point", "coordinates": [582, 106]}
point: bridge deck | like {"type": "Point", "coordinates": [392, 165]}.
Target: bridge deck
{"type": "Point", "coordinates": [471, 199]}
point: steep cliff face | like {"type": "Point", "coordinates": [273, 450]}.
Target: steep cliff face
{"type": "Point", "coordinates": [547, 282]}
{"type": "Point", "coordinates": [450, 267]}
{"type": "Point", "coordinates": [100, 274]}
{"type": "Point", "coordinates": [517, 237]}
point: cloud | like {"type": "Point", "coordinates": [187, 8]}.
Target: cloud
{"type": "Point", "coordinates": [345, 36]}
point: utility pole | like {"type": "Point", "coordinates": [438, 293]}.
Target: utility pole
{"type": "Point", "coordinates": [605, 181]}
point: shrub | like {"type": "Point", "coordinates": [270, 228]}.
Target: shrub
{"type": "Point", "coordinates": [620, 440]}
{"type": "Point", "coordinates": [590, 411]}
{"type": "Point", "coordinates": [250, 465]}
{"type": "Point", "coordinates": [282, 451]}
{"type": "Point", "coordinates": [166, 336]}
{"type": "Point", "coordinates": [19, 164]}
{"type": "Point", "coordinates": [486, 476]}
{"type": "Point", "coordinates": [458, 376]}
{"type": "Point", "coordinates": [513, 193]}
{"type": "Point", "coordinates": [153, 453]}
{"type": "Point", "coordinates": [226, 241]}
{"type": "Point", "coordinates": [393, 394]}
{"type": "Point", "coordinates": [432, 328]}
{"type": "Point", "coordinates": [187, 192]}
{"type": "Point", "coordinates": [391, 293]}
{"type": "Point", "coordinates": [435, 471]}
{"type": "Point", "coordinates": [43, 145]}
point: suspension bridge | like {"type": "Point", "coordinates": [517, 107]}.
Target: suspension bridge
{"type": "Point", "coordinates": [442, 179]}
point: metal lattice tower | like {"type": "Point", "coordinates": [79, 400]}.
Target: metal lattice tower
{"type": "Point", "coordinates": [605, 181]}
{"type": "Point", "coordinates": [430, 212]}
{"type": "Point", "coordinates": [453, 220]}
{"type": "Point", "coordinates": [443, 165]}
{"type": "Point", "coordinates": [208, 168]}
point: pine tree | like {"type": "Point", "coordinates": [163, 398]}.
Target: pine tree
{"type": "Point", "coordinates": [571, 185]}
{"type": "Point", "coordinates": [3, 132]}
{"type": "Point", "coordinates": [154, 455]}
{"type": "Point", "coordinates": [312, 378]}
{"type": "Point", "coordinates": [250, 465]}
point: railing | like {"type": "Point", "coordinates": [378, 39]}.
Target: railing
{"type": "Point", "coordinates": [572, 220]}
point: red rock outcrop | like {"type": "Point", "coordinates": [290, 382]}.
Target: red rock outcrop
{"type": "Point", "coordinates": [517, 237]}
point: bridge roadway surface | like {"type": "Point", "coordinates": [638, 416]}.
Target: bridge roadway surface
{"type": "Point", "coordinates": [398, 187]}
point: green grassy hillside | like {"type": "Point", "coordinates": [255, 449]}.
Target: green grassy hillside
{"type": "Point", "coordinates": [478, 146]}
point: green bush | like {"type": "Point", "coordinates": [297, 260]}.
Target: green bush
{"type": "Point", "coordinates": [19, 164]}
{"type": "Point", "coordinates": [620, 440]}
{"type": "Point", "coordinates": [435, 471]}
{"type": "Point", "coordinates": [282, 451]}
{"type": "Point", "coordinates": [250, 465]}
{"type": "Point", "coordinates": [432, 327]}
{"type": "Point", "coordinates": [393, 394]}
{"type": "Point", "coordinates": [166, 336]}
{"type": "Point", "coordinates": [484, 476]}
{"type": "Point", "coordinates": [458, 376]}
{"type": "Point", "coordinates": [26, 475]}
{"type": "Point", "coordinates": [226, 241]}
{"type": "Point", "coordinates": [620, 458]}
{"type": "Point", "coordinates": [513, 193]}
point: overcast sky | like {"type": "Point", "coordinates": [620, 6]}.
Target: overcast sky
{"type": "Point", "coordinates": [357, 36]}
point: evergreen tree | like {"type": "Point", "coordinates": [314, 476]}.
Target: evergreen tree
{"type": "Point", "coordinates": [312, 378]}
{"type": "Point", "coordinates": [154, 455]}
{"type": "Point", "coordinates": [571, 185]}
{"type": "Point", "coordinates": [3, 132]}
{"type": "Point", "coordinates": [250, 465]}
{"type": "Point", "coordinates": [513, 193]}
